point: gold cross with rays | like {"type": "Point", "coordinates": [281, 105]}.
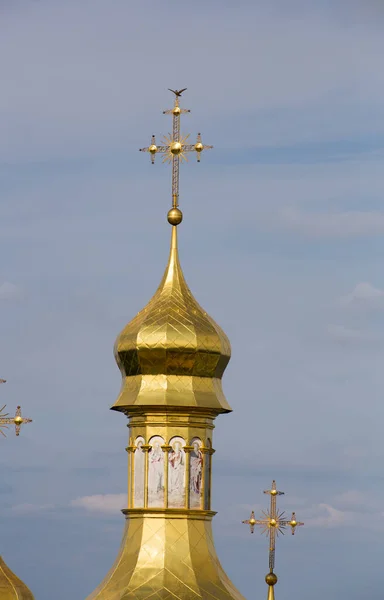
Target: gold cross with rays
{"type": "Point", "coordinates": [273, 523]}
{"type": "Point", "coordinates": [175, 146]}
{"type": "Point", "coordinates": [18, 420]}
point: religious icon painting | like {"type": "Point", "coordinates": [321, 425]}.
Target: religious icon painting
{"type": "Point", "coordinates": [195, 474]}
{"type": "Point", "coordinates": [156, 473]}
{"type": "Point", "coordinates": [207, 470]}
{"type": "Point", "coordinates": [139, 466]}
{"type": "Point", "coordinates": [176, 473]}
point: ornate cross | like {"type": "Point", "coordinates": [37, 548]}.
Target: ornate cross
{"type": "Point", "coordinates": [18, 420]}
{"type": "Point", "coordinates": [175, 146]}
{"type": "Point", "coordinates": [273, 523]}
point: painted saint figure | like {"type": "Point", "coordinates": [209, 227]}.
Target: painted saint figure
{"type": "Point", "coordinates": [196, 470]}
{"type": "Point", "coordinates": [156, 473]}
{"type": "Point", "coordinates": [139, 458]}
{"type": "Point", "coordinates": [176, 474]}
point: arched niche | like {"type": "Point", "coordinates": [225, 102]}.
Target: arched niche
{"type": "Point", "coordinates": [139, 473]}
{"type": "Point", "coordinates": [156, 472]}
{"type": "Point", "coordinates": [196, 470]}
{"type": "Point", "coordinates": [176, 473]}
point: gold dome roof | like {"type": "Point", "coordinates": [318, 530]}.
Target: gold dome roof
{"type": "Point", "coordinates": [11, 588]}
{"type": "Point", "coordinates": [172, 353]}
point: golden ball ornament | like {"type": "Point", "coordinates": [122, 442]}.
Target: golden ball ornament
{"type": "Point", "coordinates": [271, 579]}
{"type": "Point", "coordinates": [175, 148]}
{"type": "Point", "coordinates": [18, 420]}
{"type": "Point", "coordinates": [176, 110]}
{"type": "Point", "coordinates": [199, 147]}
{"type": "Point", "coordinates": [152, 148]}
{"type": "Point", "coordinates": [175, 216]}
{"type": "Point", "coordinates": [273, 523]}
{"type": "Point", "coordinates": [293, 523]}
{"type": "Point", "coordinates": [273, 492]}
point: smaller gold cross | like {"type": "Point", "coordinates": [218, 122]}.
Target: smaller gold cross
{"type": "Point", "coordinates": [18, 420]}
{"type": "Point", "coordinates": [273, 523]}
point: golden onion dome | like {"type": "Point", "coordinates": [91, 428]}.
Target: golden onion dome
{"type": "Point", "coordinates": [172, 353]}
{"type": "Point", "coordinates": [11, 587]}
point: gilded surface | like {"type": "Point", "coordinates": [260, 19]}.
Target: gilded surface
{"type": "Point", "coordinates": [167, 557]}
{"type": "Point", "coordinates": [172, 356]}
{"type": "Point", "coordinates": [11, 588]}
{"type": "Point", "coordinates": [172, 353]}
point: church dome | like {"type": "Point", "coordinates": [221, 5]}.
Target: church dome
{"type": "Point", "coordinates": [11, 587]}
{"type": "Point", "coordinates": [172, 353]}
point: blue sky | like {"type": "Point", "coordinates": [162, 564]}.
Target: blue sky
{"type": "Point", "coordinates": [282, 243]}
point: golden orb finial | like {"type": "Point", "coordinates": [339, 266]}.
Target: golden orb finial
{"type": "Point", "coordinates": [271, 579]}
{"type": "Point", "coordinates": [175, 216]}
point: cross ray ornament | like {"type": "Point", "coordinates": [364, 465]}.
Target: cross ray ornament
{"type": "Point", "coordinates": [273, 523]}
{"type": "Point", "coordinates": [174, 146]}
{"type": "Point", "coordinates": [18, 420]}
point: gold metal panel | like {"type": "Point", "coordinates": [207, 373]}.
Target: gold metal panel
{"type": "Point", "coordinates": [171, 390]}
{"type": "Point", "coordinates": [11, 587]}
{"type": "Point", "coordinates": [172, 353]}
{"type": "Point", "coordinates": [173, 557]}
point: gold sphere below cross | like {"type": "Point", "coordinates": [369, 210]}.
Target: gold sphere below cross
{"type": "Point", "coordinates": [175, 216]}
{"type": "Point", "coordinates": [271, 579]}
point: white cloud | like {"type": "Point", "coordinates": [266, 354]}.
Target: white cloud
{"type": "Point", "coordinates": [105, 503]}
{"type": "Point", "coordinates": [10, 291]}
{"type": "Point", "coordinates": [328, 516]}
{"type": "Point", "coordinates": [364, 295]}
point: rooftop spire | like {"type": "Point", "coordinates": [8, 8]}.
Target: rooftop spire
{"type": "Point", "coordinates": [273, 523]}
{"type": "Point", "coordinates": [172, 356]}
{"type": "Point", "coordinates": [172, 353]}
{"type": "Point", "coordinates": [175, 148]}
